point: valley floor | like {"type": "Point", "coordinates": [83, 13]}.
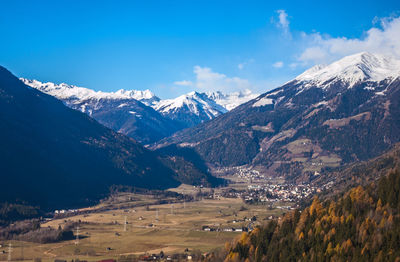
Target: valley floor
{"type": "Point", "coordinates": [150, 228]}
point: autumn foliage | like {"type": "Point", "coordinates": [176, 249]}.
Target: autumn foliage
{"type": "Point", "coordinates": [362, 225]}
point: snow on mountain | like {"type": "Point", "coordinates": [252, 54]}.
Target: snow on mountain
{"type": "Point", "coordinates": [334, 111]}
{"type": "Point", "coordinates": [232, 100]}
{"type": "Point", "coordinates": [193, 102]}
{"type": "Point", "coordinates": [189, 109]}
{"type": "Point", "coordinates": [65, 91]}
{"type": "Point", "coordinates": [120, 110]}
{"type": "Point", "coordinates": [351, 70]}
{"type": "Point", "coordinates": [70, 92]}
{"type": "Point", "coordinates": [263, 102]}
{"type": "Point", "coordinates": [146, 96]}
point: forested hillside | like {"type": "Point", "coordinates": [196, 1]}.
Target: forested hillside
{"type": "Point", "coordinates": [362, 225]}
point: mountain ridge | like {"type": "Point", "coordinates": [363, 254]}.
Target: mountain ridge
{"type": "Point", "coordinates": [120, 110]}
{"type": "Point", "coordinates": [362, 66]}
{"type": "Point", "coordinates": [141, 114]}
{"type": "Point", "coordinates": [190, 109]}
{"type": "Point", "coordinates": [301, 126]}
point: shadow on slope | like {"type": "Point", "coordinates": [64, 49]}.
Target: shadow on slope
{"type": "Point", "coordinates": [188, 165]}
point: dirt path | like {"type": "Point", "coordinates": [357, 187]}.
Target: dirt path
{"type": "Point", "coordinates": [49, 251]}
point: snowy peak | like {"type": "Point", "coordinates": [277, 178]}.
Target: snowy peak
{"type": "Point", "coordinates": [146, 96]}
{"type": "Point", "coordinates": [232, 100]}
{"type": "Point", "coordinates": [194, 108]}
{"type": "Point", "coordinates": [187, 110]}
{"type": "Point", "coordinates": [352, 69]}
{"type": "Point", "coordinates": [136, 94]}
{"type": "Point", "coordinates": [70, 92]}
{"type": "Point", "coordinates": [194, 102]}
{"type": "Point", "coordinates": [75, 93]}
{"type": "Point", "coordinates": [190, 109]}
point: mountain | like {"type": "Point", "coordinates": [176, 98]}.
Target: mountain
{"type": "Point", "coordinates": [194, 108]}
{"type": "Point", "coordinates": [359, 173]}
{"type": "Point", "coordinates": [351, 70]}
{"type": "Point", "coordinates": [232, 100]}
{"type": "Point", "coordinates": [328, 116]}
{"type": "Point", "coordinates": [141, 114]}
{"type": "Point", "coordinates": [67, 92]}
{"type": "Point", "coordinates": [190, 109]}
{"type": "Point", "coordinates": [54, 156]}
{"type": "Point", "coordinates": [146, 97]}
{"type": "Point", "coordinates": [127, 112]}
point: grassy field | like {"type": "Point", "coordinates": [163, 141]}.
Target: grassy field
{"type": "Point", "coordinates": [319, 158]}
{"type": "Point", "coordinates": [169, 227]}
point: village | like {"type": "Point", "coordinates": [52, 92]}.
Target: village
{"type": "Point", "coordinates": [259, 188]}
{"type": "Point", "coordinates": [277, 193]}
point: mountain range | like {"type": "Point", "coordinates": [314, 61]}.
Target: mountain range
{"type": "Point", "coordinates": [190, 109]}
{"type": "Point", "coordinates": [141, 114]}
{"type": "Point", "coordinates": [326, 117]}
{"type": "Point", "coordinates": [329, 116]}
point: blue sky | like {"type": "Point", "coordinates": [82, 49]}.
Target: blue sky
{"type": "Point", "coordinates": [174, 47]}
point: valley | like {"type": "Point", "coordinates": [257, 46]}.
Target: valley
{"type": "Point", "coordinates": [306, 170]}
{"type": "Point", "coordinates": [202, 223]}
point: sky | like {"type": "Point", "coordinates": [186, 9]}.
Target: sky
{"type": "Point", "coordinates": [174, 47]}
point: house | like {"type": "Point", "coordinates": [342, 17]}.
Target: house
{"type": "Point", "coordinates": [206, 228]}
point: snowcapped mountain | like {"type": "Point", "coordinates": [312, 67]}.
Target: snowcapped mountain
{"type": "Point", "coordinates": [194, 108]}
{"type": "Point", "coordinates": [190, 109]}
{"type": "Point", "coordinates": [232, 100]}
{"type": "Point", "coordinates": [120, 110]}
{"type": "Point", "coordinates": [70, 92]}
{"type": "Point", "coordinates": [146, 96]}
{"type": "Point", "coordinates": [351, 70]}
{"type": "Point", "coordinates": [330, 115]}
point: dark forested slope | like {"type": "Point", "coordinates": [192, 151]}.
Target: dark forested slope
{"type": "Point", "coordinates": [54, 156]}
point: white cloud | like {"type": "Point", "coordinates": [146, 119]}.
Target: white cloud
{"type": "Point", "coordinates": [384, 39]}
{"type": "Point", "coordinates": [183, 83]}
{"type": "Point", "coordinates": [283, 21]}
{"type": "Point", "coordinates": [278, 64]}
{"type": "Point", "coordinates": [208, 80]}
{"type": "Point", "coordinates": [241, 66]}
